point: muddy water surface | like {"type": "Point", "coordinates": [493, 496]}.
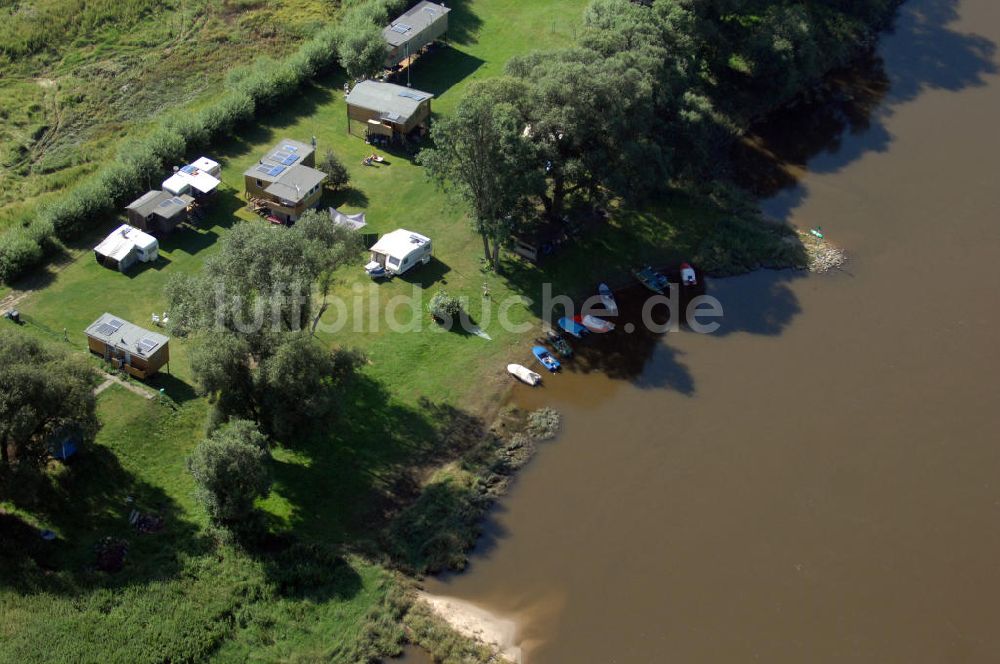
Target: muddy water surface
{"type": "Point", "coordinates": [819, 481]}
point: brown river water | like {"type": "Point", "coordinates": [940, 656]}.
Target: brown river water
{"type": "Point", "coordinates": [819, 480]}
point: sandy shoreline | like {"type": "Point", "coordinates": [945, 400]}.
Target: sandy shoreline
{"type": "Point", "coordinates": [476, 623]}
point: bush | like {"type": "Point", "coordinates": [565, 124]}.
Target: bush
{"type": "Point", "coordinates": [336, 172]}
{"type": "Point", "coordinates": [18, 252]}
{"type": "Point", "coordinates": [543, 423]}
{"type": "Point", "coordinates": [444, 307]}
{"type": "Point", "coordinates": [230, 470]}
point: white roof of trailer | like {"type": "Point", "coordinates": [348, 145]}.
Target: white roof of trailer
{"type": "Point", "coordinates": [399, 243]}
{"type": "Point", "coordinates": [120, 242]}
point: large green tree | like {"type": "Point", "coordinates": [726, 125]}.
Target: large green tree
{"type": "Point", "coordinates": [44, 393]}
{"type": "Point", "coordinates": [247, 312]}
{"type": "Point", "coordinates": [230, 471]}
{"type": "Point", "coordinates": [481, 154]}
{"type": "Point", "coordinates": [361, 49]}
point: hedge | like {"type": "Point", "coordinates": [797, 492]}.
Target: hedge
{"type": "Point", "coordinates": [139, 161]}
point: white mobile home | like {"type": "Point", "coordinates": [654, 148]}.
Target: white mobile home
{"type": "Point", "coordinates": [398, 251]}
{"type": "Point", "coordinates": [126, 246]}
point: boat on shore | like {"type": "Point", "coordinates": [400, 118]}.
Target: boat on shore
{"type": "Point", "coordinates": [651, 279]}
{"type": "Point", "coordinates": [595, 324]}
{"type": "Point", "coordinates": [607, 298]}
{"type": "Point", "coordinates": [688, 275]}
{"type": "Point", "coordinates": [545, 358]}
{"type": "Point", "coordinates": [558, 343]}
{"type": "Point", "coordinates": [573, 327]}
{"type": "Point", "coordinates": [524, 374]}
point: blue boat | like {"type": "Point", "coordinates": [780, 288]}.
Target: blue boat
{"type": "Point", "coordinates": [545, 357]}
{"type": "Point", "coordinates": [572, 327]}
{"type": "Point", "coordinates": [651, 279]}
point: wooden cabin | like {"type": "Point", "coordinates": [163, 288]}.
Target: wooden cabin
{"type": "Point", "coordinates": [135, 350]}
{"type": "Point", "coordinates": [387, 109]}
{"type": "Point", "coordinates": [426, 22]}
{"type": "Point", "coordinates": [285, 182]}
{"type": "Point", "coordinates": [158, 212]}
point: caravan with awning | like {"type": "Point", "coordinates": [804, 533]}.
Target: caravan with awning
{"type": "Point", "coordinates": [397, 252]}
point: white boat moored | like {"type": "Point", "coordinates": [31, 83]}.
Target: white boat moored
{"type": "Point", "coordinates": [524, 374]}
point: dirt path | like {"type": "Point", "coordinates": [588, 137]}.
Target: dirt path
{"type": "Point", "coordinates": [130, 386]}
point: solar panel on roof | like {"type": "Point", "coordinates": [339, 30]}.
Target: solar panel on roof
{"type": "Point", "coordinates": [413, 95]}
{"type": "Point", "coordinates": [146, 344]}
{"type": "Point", "coordinates": [166, 203]}
{"type": "Point", "coordinates": [284, 158]}
{"type": "Point", "coordinates": [290, 148]}
{"type": "Point", "coordinates": [190, 168]}
{"type": "Point", "coordinates": [104, 330]}
{"type": "Point", "coordinates": [115, 324]}
{"type": "Point", "coordinates": [276, 170]}
{"type": "Point", "coordinates": [264, 168]}
{"type": "Point", "coordinates": [401, 28]}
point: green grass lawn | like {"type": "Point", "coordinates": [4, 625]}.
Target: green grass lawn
{"type": "Point", "coordinates": [180, 596]}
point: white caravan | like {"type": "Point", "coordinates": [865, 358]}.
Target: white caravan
{"type": "Point", "coordinates": [397, 252]}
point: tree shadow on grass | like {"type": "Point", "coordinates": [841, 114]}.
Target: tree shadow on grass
{"type": "Point", "coordinates": [344, 484]}
{"type": "Point", "coordinates": [348, 196]}
{"type": "Point", "coordinates": [94, 498]}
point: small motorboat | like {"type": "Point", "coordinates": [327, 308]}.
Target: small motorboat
{"type": "Point", "coordinates": [573, 327]}
{"type": "Point", "coordinates": [651, 279]}
{"type": "Point", "coordinates": [688, 276]}
{"type": "Point", "coordinates": [594, 323]}
{"type": "Point", "coordinates": [524, 374]}
{"type": "Point", "coordinates": [546, 359]}
{"type": "Point", "coordinates": [607, 298]}
{"type": "Point", "coordinates": [560, 345]}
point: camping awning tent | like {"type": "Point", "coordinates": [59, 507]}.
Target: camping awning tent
{"type": "Point", "coordinates": [399, 243]}
{"type": "Point", "coordinates": [191, 177]}
{"type": "Point", "coordinates": [352, 221]}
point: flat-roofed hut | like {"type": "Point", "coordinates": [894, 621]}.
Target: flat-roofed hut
{"type": "Point", "coordinates": [138, 351]}
{"type": "Point", "coordinates": [387, 109]}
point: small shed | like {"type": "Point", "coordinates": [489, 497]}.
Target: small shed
{"type": "Point", "coordinates": [424, 23]}
{"type": "Point", "coordinates": [158, 212]}
{"type": "Point", "coordinates": [126, 246]}
{"type": "Point", "coordinates": [388, 109]}
{"type": "Point", "coordinates": [139, 352]}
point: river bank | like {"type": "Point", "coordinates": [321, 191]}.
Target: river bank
{"type": "Point", "coordinates": [863, 525]}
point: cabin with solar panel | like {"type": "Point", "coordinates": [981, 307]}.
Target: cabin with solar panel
{"type": "Point", "coordinates": [128, 347]}
{"type": "Point", "coordinates": [283, 184]}
{"type": "Point", "coordinates": [420, 26]}
{"type": "Point", "coordinates": [158, 212]}
{"type": "Point", "coordinates": [387, 111]}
